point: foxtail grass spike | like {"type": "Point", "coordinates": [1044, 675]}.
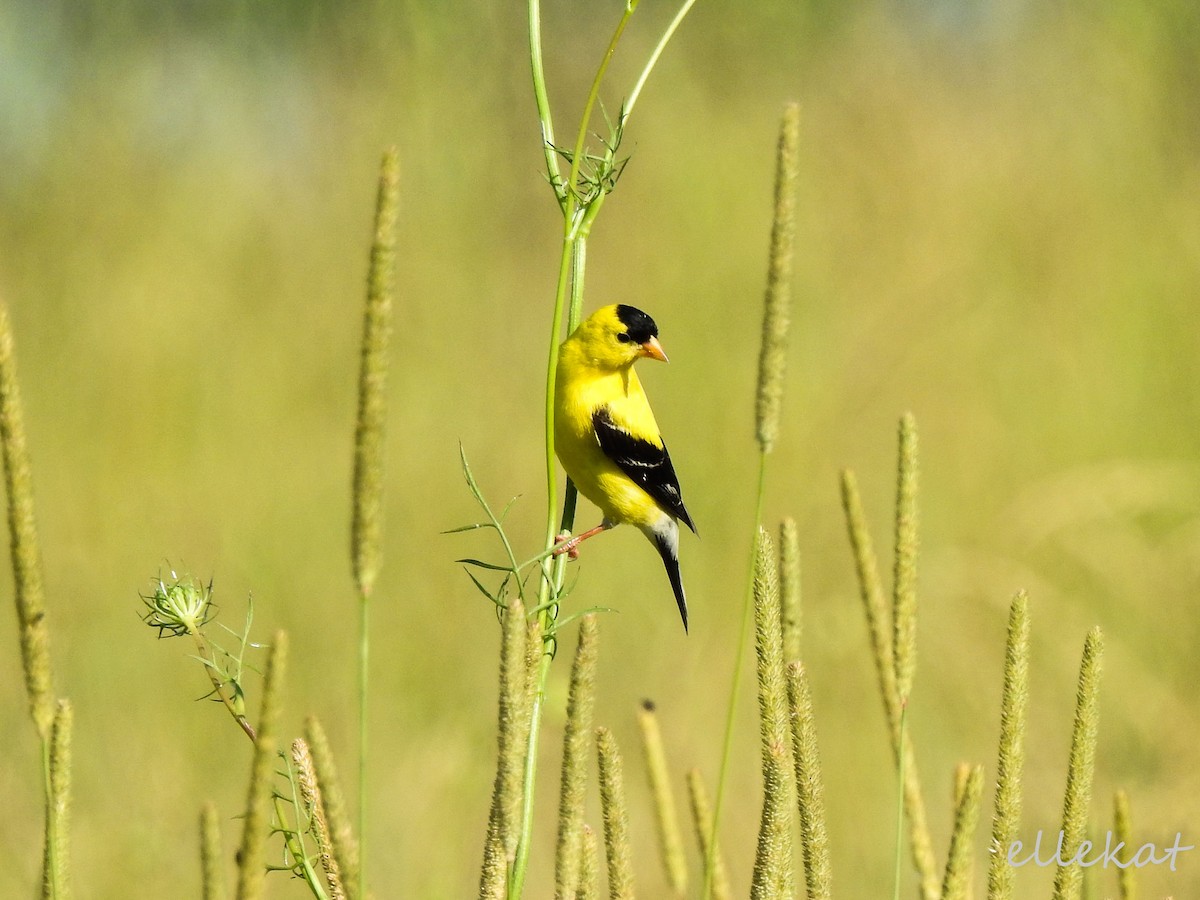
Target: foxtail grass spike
{"type": "Point", "coordinates": [576, 748]}
{"type": "Point", "coordinates": [670, 840]}
{"type": "Point", "coordinates": [789, 587]}
{"type": "Point", "coordinates": [341, 833]}
{"type": "Point", "coordinates": [1014, 706]}
{"type": "Point", "coordinates": [504, 820]}
{"type": "Point", "coordinates": [256, 823]}
{"type": "Point", "coordinates": [881, 633]}
{"type": "Point", "coordinates": [871, 589]}
{"type": "Point", "coordinates": [957, 880]}
{"type": "Point", "coordinates": [772, 875]}
{"type": "Point", "coordinates": [367, 526]}
{"type": "Point", "coordinates": [772, 359]}
{"type": "Point", "coordinates": [213, 881]}
{"type": "Point", "coordinates": [314, 809]}
{"type": "Point", "coordinates": [810, 802]}
{"type": "Point", "coordinates": [534, 649]}
{"type": "Point", "coordinates": [1068, 879]}
{"type": "Point", "coordinates": [616, 817]}
{"type": "Point", "coordinates": [56, 881]}
{"type": "Point", "coordinates": [1123, 828]}
{"type": "Point", "coordinates": [589, 866]}
{"type": "Point", "coordinates": [904, 579]}
{"type": "Point", "coordinates": [702, 819]}
{"type": "Point", "coordinates": [23, 539]}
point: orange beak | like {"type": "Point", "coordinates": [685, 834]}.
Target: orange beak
{"type": "Point", "coordinates": [653, 349]}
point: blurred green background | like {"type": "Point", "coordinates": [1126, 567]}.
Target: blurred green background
{"type": "Point", "coordinates": [1000, 231]}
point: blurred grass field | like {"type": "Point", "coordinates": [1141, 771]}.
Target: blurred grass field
{"type": "Point", "coordinates": [999, 230]}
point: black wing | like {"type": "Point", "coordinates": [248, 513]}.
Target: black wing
{"type": "Point", "coordinates": [649, 466]}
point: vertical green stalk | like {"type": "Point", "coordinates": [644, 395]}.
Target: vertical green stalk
{"type": "Point", "coordinates": [1123, 828]}
{"type": "Point", "coordinates": [810, 802]}
{"type": "Point", "coordinates": [576, 747]}
{"type": "Point", "coordinates": [1068, 879]}
{"type": "Point", "coordinates": [56, 882]}
{"type": "Point", "coordinates": [616, 817]}
{"type": "Point", "coordinates": [879, 626]}
{"type": "Point", "coordinates": [366, 531]}
{"type": "Point", "coordinates": [577, 220]}
{"type": "Point", "coordinates": [772, 876]}
{"type": "Point", "coordinates": [1014, 706]}
{"type": "Point", "coordinates": [256, 822]}
{"type": "Point", "coordinates": [957, 879]}
{"type": "Point", "coordinates": [23, 539]}
{"type": "Point", "coordinates": [670, 840]}
{"type": "Point", "coordinates": [210, 854]}
{"type": "Point", "coordinates": [904, 605]}
{"type": "Point", "coordinates": [772, 372]}
{"type": "Point", "coordinates": [31, 611]}
{"type": "Point", "coordinates": [904, 580]}
{"type": "Point", "coordinates": [500, 847]}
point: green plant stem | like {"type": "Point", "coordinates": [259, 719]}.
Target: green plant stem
{"type": "Point", "coordinates": [52, 877]}
{"type": "Point", "coordinates": [581, 138]}
{"type": "Point", "coordinates": [219, 688]}
{"type": "Point", "coordinates": [577, 222]}
{"type": "Point", "coordinates": [735, 689]}
{"type": "Point", "coordinates": [364, 645]}
{"type": "Point", "coordinates": [662, 44]}
{"type": "Point", "coordinates": [900, 773]}
{"type": "Point", "coordinates": [541, 98]}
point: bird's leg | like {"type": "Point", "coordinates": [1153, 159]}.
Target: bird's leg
{"type": "Point", "coordinates": [570, 545]}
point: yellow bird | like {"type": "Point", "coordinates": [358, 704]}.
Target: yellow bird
{"type": "Point", "coordinates": [607, 439]}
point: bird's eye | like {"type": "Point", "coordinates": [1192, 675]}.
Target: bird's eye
{"type": "Point", "coordinates": [624, 338]}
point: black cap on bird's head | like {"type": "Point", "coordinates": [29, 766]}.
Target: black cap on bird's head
{"type": "Point", "coordinates": [640, 329]}
{"type": "Point", "coordinates": [638, 326]}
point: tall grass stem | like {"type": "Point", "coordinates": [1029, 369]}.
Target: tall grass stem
{"type": "Point", "coordinates": [735, 687]}
{"type": "Point", "coordinates": [576, 748]}
{"type": "Point", "coordinates": [23, 539]}
{"type": "Point", "coordinates": [1068, 880]}
{"type": "Point", "coordinates": [1123, 828]}
{"type": "Point", "coordinates": [56, 878]}
{"type": "Point", "coordinates": [366, 542]}
{"type": "Point", "coordinates": [1014, 707]}
{"type": "Point", "coordinates": [777, 312]}
{"type": "Point", "coordinates": [810, 801]}
{"type": "Point", "coordinates": [904, 579]}
{"type": "Point", "coordinates": [773, 875]}
{"type": "Point", "coordinates": [616, 817]}
{"type": "Point", "coordinates": [880, 629]}
{"type": "Point", "coordinates": [957, 878]}
{"type": "Point", "coordinates": [256, 821]}
{"type": "Point", "coordinates": [212, 878]}
{"type": "Point", "coordinates": [500, 846]}
{"type": "Point", "coordinates": [670, 839]}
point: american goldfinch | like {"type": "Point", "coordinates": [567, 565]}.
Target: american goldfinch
{"type": "Point", "coordinates": [606, 437]}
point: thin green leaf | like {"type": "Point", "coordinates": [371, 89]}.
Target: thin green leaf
{"type": "Point", "coordinates": [482, 589]}
{"type": "Point", "coordinates": [473, 527]}
{"type": "Point", "coordinates": [483, 565]}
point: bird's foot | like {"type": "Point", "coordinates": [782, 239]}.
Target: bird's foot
{"type": "Point", "coordinates": [569, 546]}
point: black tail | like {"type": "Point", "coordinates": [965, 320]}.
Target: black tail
{"type": "Point", "coordinates": [670, 558]}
